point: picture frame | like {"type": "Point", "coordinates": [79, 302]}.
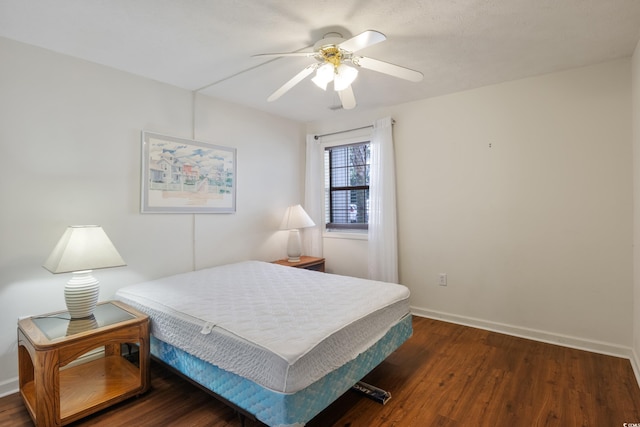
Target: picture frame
{"type": "Point", "coordinates": [186, 176]}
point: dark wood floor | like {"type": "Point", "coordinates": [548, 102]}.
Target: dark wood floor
{"type": "Point", "coordinates": [445, 375]}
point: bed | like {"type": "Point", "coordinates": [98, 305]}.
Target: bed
{"type": "Point", "coordinates": [277, 342]}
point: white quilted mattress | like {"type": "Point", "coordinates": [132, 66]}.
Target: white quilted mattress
{"type": "Point", "coordinates": [281, 327]}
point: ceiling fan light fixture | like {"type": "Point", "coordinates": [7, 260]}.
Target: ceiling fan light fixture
{"type": "Point", "coordinates": [345, 75]}
{"type": "Point", "coordinates": [323, 76]}
{"type": "Point", "coordinates": [331, 54]}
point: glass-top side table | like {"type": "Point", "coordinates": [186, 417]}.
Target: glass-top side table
{"type": "Point", "coordinates": [46, 344]}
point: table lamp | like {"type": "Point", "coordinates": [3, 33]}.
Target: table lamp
{"type": "Point", "coordinates": [295, 218]}
{"type": "Point", "coordinates": [81, 249]}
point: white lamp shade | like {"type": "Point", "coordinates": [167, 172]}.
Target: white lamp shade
{"type": "Point", "coordinates": [323, 76]}
{"type": "Point", "coordinates": [83, 247]}
{"type": "Point", "coordinates": [295, 217]}
{"type": "Point", "coordinates": [344, 77]}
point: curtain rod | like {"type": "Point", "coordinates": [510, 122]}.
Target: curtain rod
{"type": "Point", "coordinates": [317, 137]}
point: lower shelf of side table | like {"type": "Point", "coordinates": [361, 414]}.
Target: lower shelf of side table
{"type": "Point", "coordinates": [90, 386]}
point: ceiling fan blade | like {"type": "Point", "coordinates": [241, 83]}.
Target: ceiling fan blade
{"type": "Point", "coordinates": [390, 69]}
{"type": "Point", "coordinates": [347, 98]}
{"type": "Point", "coordinates": [362, 40]}
{"type": "Point", "coordinates": [269, 55]}
{"type": "Point", "coordinates": [291, 83]}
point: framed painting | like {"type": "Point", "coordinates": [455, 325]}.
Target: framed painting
{"type": "Point", "coordinates": [185, 176]}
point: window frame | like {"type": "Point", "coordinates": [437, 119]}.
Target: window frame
{"type": "Point", "coordinates": [359, 231]}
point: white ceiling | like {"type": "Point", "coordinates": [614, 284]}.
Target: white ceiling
{"type": "Point", "coordinates": [208, 44]}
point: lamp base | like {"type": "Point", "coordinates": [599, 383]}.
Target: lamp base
{"type": "Point", "coordinates": [293, 246]}
{"type": "Point", "coordinates": [81, 294]}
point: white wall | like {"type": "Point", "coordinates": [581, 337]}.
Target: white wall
{"type": "Point", "coordinates": [70, 138]}
{"type": "Point", "coordinates": [636, 210]}
{"type": "Point", "coordinates": [522, 193]}
{"type": "Point", "coordinates": [346, 256]}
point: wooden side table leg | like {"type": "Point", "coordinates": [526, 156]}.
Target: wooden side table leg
{"type": "Point", "coordinates": [112, 349]}
{"type": "Point", "coordinates": [47, 380]}
{"type": "Point", "coordinates": [144, 356]}
{"type": "Point", "coordinates": [25, 366]}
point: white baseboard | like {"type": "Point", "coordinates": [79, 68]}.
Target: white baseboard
{"type": "Point", "coordinates": [9, 387]}
{"type": "Point", "coordinates": [532, 334]}
{"type": "Point", "coordinates": [635, 364]}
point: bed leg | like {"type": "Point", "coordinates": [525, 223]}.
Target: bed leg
{"type": "Point", "coordinates": [241, 417]}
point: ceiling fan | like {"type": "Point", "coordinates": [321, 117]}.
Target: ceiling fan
{"type": "Point", "coordinates": [333, 55]}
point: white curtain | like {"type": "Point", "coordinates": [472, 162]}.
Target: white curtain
{"type": "Point", "coordinates": [383, 239]}
{"type": "Point", "coordinates": [313, 198]}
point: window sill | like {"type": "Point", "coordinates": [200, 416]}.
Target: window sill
{"type": "Point", "coordinates": [351, 234]}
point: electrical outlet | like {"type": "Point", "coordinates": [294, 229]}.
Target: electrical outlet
{"type": "Point", "coordinates": [443, 279]}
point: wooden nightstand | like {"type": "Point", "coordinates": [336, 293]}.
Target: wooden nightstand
{"type": "Point", "coordinates": [306, 262]}
{"type": "Point", "coordinates": [57, 391]}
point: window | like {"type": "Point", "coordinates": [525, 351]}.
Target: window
{"type": "Point", "coordinates": [347, 186]}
